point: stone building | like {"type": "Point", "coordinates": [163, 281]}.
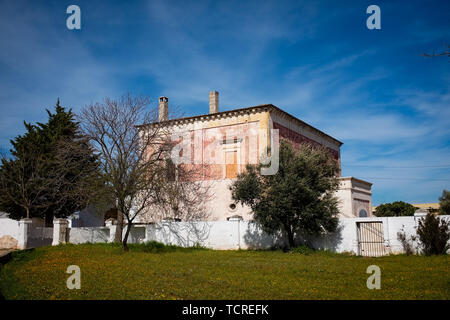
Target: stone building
{"type": "Point", "coordinates": [223, 142]}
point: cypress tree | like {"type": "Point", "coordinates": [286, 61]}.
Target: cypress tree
{"type": "Point", "coordinates": [53, 171]}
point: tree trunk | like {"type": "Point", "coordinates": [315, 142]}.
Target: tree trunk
{"type": "Point", "coordinates": [28, 212]}
{"type": "Point", "coordinates": [125, 239]}
{"type": "Point", "coordinates": [290, 236]}
{"type": "Point", "coordinates": [118, 235]}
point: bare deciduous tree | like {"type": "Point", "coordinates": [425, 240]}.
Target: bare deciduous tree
{"type": "Point", "coordinates": [183, 195]}
{"type": "Point", "coordinates": [135, 160]}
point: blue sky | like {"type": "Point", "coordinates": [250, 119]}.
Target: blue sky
{"type": "Point", "coordinates": [371, 89]}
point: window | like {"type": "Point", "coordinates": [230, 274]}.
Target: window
{"type": "Point", "coordinates": [235, 218]}
{"type": "Point", "coordinates": [230, 141]}
{"type": "Point", "coordinates": [231, 164]}
{"type": "Point", "coordinates": [363, 213]}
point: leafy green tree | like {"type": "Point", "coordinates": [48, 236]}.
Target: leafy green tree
{"type": "Point", "coordinates": [395, 209]}
{"type": "Point", "coordinates": [444, 203]}
{"type": "Point", "coordinates": [434, 234]}
{"type": "Point", "coordinates": [298, 198]}
{"type": "Point", "coordinates": [51, 172]}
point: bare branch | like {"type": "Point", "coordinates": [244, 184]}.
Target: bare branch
{"type": "Point", "coordinates": [134, 160]}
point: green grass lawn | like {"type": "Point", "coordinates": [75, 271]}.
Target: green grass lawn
{"type": "Point", "coordinates": [152, 272]}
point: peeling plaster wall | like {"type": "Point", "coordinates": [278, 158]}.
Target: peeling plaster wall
{"type": "Point", "coordinates": [207, 133]}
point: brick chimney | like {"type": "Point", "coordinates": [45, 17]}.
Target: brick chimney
{"type": "Point", "coordinates": [163, 114]}
{"type": "Point", "coordinates": [213, 102]}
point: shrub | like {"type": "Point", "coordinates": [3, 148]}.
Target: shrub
{"type": "Point", "coordinates": [302, 250]}
{"type": "Point", "coordinates": [444, 202]}
{"type": "Point", "coordinates": [407, 244]}
{"type": "Point", "coordinates": [433, 234]}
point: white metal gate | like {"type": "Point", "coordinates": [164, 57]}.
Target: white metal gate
{"type": "Point", "coordinates": [371, 239]}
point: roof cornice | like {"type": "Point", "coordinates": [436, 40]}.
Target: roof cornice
{"type": "Point", "coordinates": [234, 112]}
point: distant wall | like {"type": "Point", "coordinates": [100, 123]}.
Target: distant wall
{"type": "Point", "coordinates": [88, 217]}
{"type": "Point", "coordinates": [91, 218]}
{"type": "Point", "coordinates": [84, 234]}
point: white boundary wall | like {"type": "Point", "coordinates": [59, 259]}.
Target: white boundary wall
{"type": "Point", "coordinates": [9, 227]}
{"type": "Point", "coordinates": [28, 233]}
{"type": "Point", "coordinates": [9, 233]}
{"type": "Point", "coordinates": [221, 235]}
{"type": "Point", "coordinates": [103, 234]}
{"type": "Point", "coordinates": [346, 238]}
{"type": "Point", "coordinates": [228, 235]}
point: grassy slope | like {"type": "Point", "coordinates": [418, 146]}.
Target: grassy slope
{"type": "Point", "coordinates": [170, 273]}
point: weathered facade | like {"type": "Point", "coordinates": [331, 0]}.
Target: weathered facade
{"type": "Point", "coordinates": [222, 143]}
